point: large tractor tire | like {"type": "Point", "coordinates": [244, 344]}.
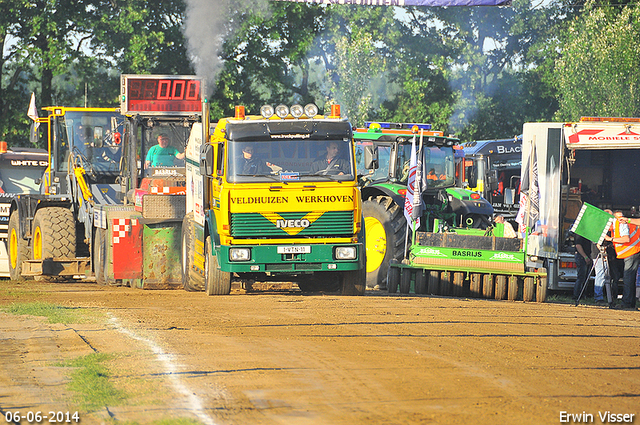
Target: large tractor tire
{"type": "Point", "coordinates": [18, 249]}
{"type": "Point", "coordinates": [191, 279]}
{"type": "Point", "coordinates": [216, 282]}
{"type": "Point", "coordinates": [405, 280]}
{"type": "Point", "coordinates": [385, 227]}
{"type": "Point", "coordinates": [54, 234]}
{"type": "Point", "coordinates": [394, 279]}
{"type": "Point", "coordinates": [353, 282]}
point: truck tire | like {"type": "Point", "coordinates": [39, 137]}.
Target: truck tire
{"type": "Point", "coordinates": [405, 280]}
{"type": "Point", "coordinates": [475, 285]}
{"type": "Point", "coordinates": [191, 280]}
{"type": "Point", "coordinates": [54, 234]}
{"type": "Point", "coordinates": [354, 282]}
{"type": "Point", "coordinates": [446, 283]}
{"type": "Point", "coordinates": [99, 256]}
{"type": "Point", "coordinates": [216, 282]}
{"type": "Point", "coordinates": [18, 249]}
{"type": "Point", "coordinates": [421, 281]}
{"type": "Point", "coordinates": [487, 286]}
{"type": "Point", "coordinates": [385, 227]}
{"type": "Point", "coordinates": [512, 289]}
{"type": "Point", "coordinates": [458, 284]}
{"type": "Point", "coordinates": [501, 287]}
{"type": "Point", "coordinates": [541, 290]}
{"type": "Point", "coordinates": [529, 289]}
{"type": "Point", "coordinates": [393, 279]}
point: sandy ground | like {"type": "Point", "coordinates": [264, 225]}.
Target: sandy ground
{"type": "Point", "coordinates": [271, 357]}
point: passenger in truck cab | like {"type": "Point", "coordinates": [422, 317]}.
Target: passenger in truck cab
{"type": "Point", "coordinates": [331, 163]}
{"type": "Point", "coordinates": [249, 164]}
{"type": "Point", "coordinates": [162, 155]}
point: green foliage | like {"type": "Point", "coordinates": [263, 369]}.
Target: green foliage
{"type": "Point", "coordinates": [598, 73]}
{"type": "Point", "coordinates": [53, 313]}
{"type": "Point", "coordinates": [90, 382]}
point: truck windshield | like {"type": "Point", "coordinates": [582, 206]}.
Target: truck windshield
{"type": "Point", "coordinates": [163, 146]}
{"type": "Point", "coordinates": [438, 165]}
{"type": "Point", "coordinates": [20, 177]}
{"type": "Point", "coordinates": [290, 160]}
{"type": "Point", "coordinates": [96, 136]}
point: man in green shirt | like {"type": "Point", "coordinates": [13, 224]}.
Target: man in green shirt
{"type": "Point", "coordinates": [162, 155]}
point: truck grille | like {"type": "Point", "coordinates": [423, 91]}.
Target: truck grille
{"type": "Point", "coordinates": [327, 224]}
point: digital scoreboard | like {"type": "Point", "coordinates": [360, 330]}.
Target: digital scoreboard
{"type": "Point", "coordinates": [161, 94]}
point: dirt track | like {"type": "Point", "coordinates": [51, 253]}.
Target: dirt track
{"type": "Point", "coordinates": [287, 358]}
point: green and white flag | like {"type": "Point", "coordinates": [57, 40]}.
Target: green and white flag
{"type": "Point", "coordinates": [592, 223]}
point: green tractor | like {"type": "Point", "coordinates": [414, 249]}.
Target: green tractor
{"type": "Point", "coordinates": [383, 152]}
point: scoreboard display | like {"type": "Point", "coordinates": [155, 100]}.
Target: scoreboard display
{"type": "Point", "coordinates": [161, 94]}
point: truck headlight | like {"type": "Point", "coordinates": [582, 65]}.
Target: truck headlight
{"type": "Point", "coordinates": [239, 254]}
{"type": "Point", "coordinates": [345, 253]}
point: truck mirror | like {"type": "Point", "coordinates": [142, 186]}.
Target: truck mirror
{"type": "Point", "coordinates": [206, 160]}
{"type": "Point", "coordinates": [492, 179]}
{"type": "Point", "coordinates": [473, 177]}
{"type": "Point", "coordinates": [371, 157]}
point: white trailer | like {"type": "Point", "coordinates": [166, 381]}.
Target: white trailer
{"type": "Point", "coordinates": [595, 160]}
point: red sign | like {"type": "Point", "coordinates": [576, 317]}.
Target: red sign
{"type": "Point", "coordinates": [161, 94]}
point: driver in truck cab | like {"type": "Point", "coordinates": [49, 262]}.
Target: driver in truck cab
{"type": "Point", "coordinates": [162, 155]}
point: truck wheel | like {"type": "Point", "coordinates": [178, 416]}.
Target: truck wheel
{"type": "Point", "coordinates": [501, 288]}
{"type": "Point", "coordinates": [405, 281]}
{"type": "Point", "coordinates": [446, 283]}
{"type": "Point", "coordinates": [475, 285]}
{"type": "Point", "coordinates": [216, 282]}
{"type": "Point", "coordinates": [385, 230]}
{"type": "Point", "coordinates": [541, 290]}
{"type": "Point", "coordinates": [18, 249]}
{"type": "Point", "coordinates": [434, 282]}
{"type": "Point", "coordinates": [421, 281]}
{"type": "Point", "coordinates": [99, 251]}
{"type": "Point", "coordinates": [54, 234]}
{"type": "Point", "coordinates": [512, 290]}
{"type": "Point", "coordinates": [487, 286]}
{"type": "Point", "coordinates": [393, 279]}
{"type": "Point", "coordinates": [458, 284]}
{"type": "Point", "coordinates": [353, 282]}
{"type": "Point", "coordinates": [191, 279]}
{"type": "Point", "coordinates": [529, 289]}
{"type": "Point", "coordinates": [475, 221]}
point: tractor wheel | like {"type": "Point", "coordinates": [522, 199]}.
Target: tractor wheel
{"type": "Point", "coordinates": [393, 279]}
{"type": "Point", "coordinates": [529, 289]}
{"type": "Point", "coordinates": [446, 283]}
{"type": "Point", "coordinates": [191, 279]}
{"type": "Point", "coordinates": [54, 234]}
{"type": "Point", "coordinates": [405, 281]}
{"type": "Point", "coordinates": [475, 221]}
{"type": "Point", "coordinates": [487, 286]}
{"type": "Point", "coordinates": [99, 256]}
{"type": "Point", "coordinates": [421, 281]}
{"type": "Point", "coordinates": [512, 289]}
{"type": "Point", "coordinates": [501, 288]}
{"type": "Point", "coordinates": [541, 290]}
{"type": "Point", "coordinates": [434, 282]}
{"type": "Point", "coordinates": [458, 284]}
{"type": "Point", "coordinates": [18, 249]}
{"type": "Point", "coordinates": [354, 282]}
{"type": "Point", "coordinates": [475, 285]}
{"type": "Point", "coordinates": [385, 230]}
{"type": "Point", "coordinates": [216, 282]}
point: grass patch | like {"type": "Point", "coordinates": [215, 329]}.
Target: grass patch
{"type": "Point", "coordinates": [53, 313]}
{"type": "Point", "coordinates": [90, 382]}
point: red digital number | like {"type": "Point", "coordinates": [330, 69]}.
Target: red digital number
{"type": "Point", "coordinates": [150, 89]}
{"type": "Point", "coordinates": [164, 91]}
{"type": "Point", "coordinates": [193, 90]}
{"type": "Point", "coordinates": [178, 90]}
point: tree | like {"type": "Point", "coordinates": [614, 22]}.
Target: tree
{"type": "Point", "coordinates": [598, 73]}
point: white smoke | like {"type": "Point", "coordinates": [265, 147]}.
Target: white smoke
{"type": "Point", "coordinates": [207, 24]}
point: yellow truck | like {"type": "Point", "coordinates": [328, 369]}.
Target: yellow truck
{"type": "Point", "coordinates": [273, 197]}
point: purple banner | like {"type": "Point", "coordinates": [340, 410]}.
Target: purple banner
{"type": "Point", "coordinates": [411, 2]}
